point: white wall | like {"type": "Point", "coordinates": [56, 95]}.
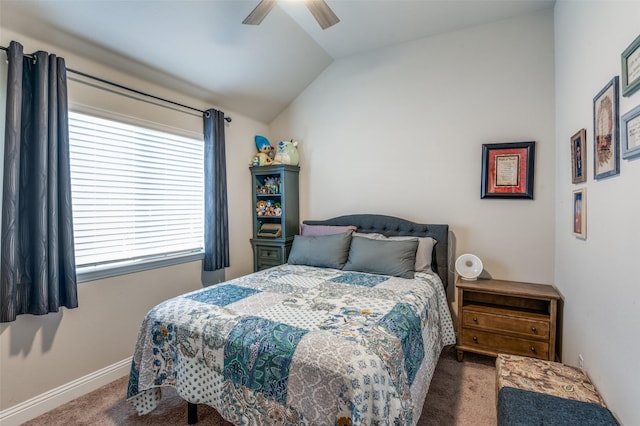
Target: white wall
{"type": "Point", "coordinates": [40, 353]}
{"type": "Point", "coordinates": [598, 276]}
{"type": "Point", "coordinates": [400, 131]}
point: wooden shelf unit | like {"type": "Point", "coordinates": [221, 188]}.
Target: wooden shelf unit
{"type": "Point", "coordinates": [273, 251]}
{"type": "Point", "coordinates": [496, 316]}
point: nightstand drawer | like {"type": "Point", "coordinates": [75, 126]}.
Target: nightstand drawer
{"type": "Point", "coordinates": [269, 254]}
{"type": "Point", "coordinates": [495, 343]}
{"type": "Point", "coordinates": [264, 265]}
{"type": "Point", "coordinates": [527, 327]}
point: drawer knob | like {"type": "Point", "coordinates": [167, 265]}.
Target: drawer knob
{"type": "Point", "coordinates": [534, 329]}
{"type": "Point", "coordinates": [533, 349]}
{"type": "Point", "coordinates": [475, 339]}
{"type": "Point", "coordinates": [475, 319]}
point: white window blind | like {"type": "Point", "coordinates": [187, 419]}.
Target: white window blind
{"type": "Point", "coordinates": [137, 193]}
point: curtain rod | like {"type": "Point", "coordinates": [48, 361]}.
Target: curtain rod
{"type": "Point", "coordinates": [120, 86]}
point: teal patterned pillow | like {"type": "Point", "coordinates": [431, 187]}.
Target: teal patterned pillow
{"type": "Point", "coordinates": [384, 257]}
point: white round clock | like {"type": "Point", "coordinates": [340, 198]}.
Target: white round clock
{"type": "Point", "coordinates": [469, 267]}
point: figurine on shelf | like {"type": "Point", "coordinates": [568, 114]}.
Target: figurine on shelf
{"type": "Point", "coordinates": [260, 159]}
{"type": "Point", "coordinates": [261, 208]}
{"type": "Point", "coordinates": [265, 154]}
{"type": "Point", "coordinates": [264, 146]}
{"type": "Point", "coordinates": [270, 209]}
{"type": "Point", "coordinates": [270, 185]}
{"type": "Point", "coordinates": [287, 153]}
{"type": "Point", "coordinates": [278, 210]}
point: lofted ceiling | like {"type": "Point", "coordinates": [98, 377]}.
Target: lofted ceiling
{"type": "Point", "coordinates": [201, 48]}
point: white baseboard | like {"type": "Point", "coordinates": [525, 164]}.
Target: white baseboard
{"type": "Point", "coordinates": [31, 408]}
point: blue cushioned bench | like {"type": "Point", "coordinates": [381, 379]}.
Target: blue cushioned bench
{"type": "Point", "coordinates": [532, 392]}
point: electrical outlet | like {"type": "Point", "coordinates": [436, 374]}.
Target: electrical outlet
{"type": "Point", "coordinates": [580, 362]}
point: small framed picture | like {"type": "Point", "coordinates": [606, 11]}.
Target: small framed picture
{"type": "Point", "coordinates": [579, 157]}
{"type": "Point", "coordinates": [631, 68]}
{"type": "Point", "coordinates": [606, 126]}
{"type": "Point", "coordinates": [630, 131]}
{"type": "Point", "coordinates": [507, 170]}
{"type": "Point", "coordinates": [580, 213]}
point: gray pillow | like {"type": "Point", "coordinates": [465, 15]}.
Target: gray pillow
{"type": "Point", "coordinates": [424, 254]}
{"type": "Point", "coordinates": [327, 251]}
{"type": "Point", "coordinates": [384, 257]}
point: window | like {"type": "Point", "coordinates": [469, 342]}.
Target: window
{"type": "Point", "coordinates": [137, 197]}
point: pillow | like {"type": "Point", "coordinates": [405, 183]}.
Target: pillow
{"type": "Point", "coordinates": [318, 230]}
{"type": "Point", "coordinates": [384, 257]}
{"type": "Point", "coordinates": [424, 254]}
{"type": "Point", "coordinates": [327, 251]}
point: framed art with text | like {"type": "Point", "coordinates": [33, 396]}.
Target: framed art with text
{"type": "Point", "coordinates": [507, 170]}
{"type": "Point", "coordinates": [579, 157]}
{"type": "Point", "coordinates": [606, 126]}
{"type": "Point", "coordinates": [630, 131]}
{"type": "Point", "coordinates": [631, 68]}
{"type": "Point", "coordinates": [580, 213]}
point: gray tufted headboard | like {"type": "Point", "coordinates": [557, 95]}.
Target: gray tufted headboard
{"type": "Point", "coordinates": [394, 226]}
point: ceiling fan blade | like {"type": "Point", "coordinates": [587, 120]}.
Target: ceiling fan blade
{"type": "Point", "coordinates": [257, 15]}
{"type": "Point", "coordinates": [322, 12]}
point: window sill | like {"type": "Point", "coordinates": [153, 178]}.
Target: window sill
{"type": "Point", "coordinates": [92, 273]}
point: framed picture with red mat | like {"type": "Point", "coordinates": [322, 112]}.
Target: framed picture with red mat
{"type": "Point", "coordinates": [507, 170]}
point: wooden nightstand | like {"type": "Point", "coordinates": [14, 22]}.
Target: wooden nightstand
{"type": "Point", "coordinates": [496, 316]}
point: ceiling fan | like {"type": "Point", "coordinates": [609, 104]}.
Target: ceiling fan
{"type": "Point", "coordinates": [319, 9]}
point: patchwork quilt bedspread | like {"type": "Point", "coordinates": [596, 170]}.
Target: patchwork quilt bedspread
{"type": "Point", "coordinates": [297, 345]}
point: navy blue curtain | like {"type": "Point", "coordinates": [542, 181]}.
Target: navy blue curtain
{"type": "Point", "coordinates": [216, 217]}
{"type": "Point", "coordinates": [37, 254]}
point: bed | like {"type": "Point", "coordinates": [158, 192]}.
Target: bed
{"type": "Point", "coordinates": [330, 338]}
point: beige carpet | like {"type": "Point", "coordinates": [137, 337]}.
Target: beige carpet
{"type": "Point", "coordinates": [461, 393]}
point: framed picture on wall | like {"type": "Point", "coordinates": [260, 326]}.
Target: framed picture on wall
{"type": "Point", "coordinates": [631, 134]}
{"type": "Point", "coordinates": [631, 68]}
{"type": "Point", "coordinates": [580, 213]}
{"type": "Point", "coordinates": [507, 170]}
{"type": "Point", "coordinates": [579, 157]}
{"type": "Point", "coordinates": [606, 126]}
